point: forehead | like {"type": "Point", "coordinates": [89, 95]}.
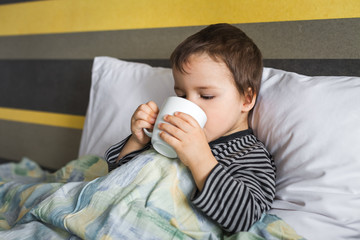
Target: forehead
{"type": "Point", "coordinates": [204, 71]}
{"type": "Point", "coordinates": [197, 60]}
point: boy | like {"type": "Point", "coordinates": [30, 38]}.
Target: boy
{"type": "Point", "coordinates": [219, 69]}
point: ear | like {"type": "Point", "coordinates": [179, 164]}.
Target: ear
{"type": "Point", "coordinates": [249, 100]}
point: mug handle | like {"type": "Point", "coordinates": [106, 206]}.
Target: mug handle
{"type": "Point", "coordinates": [149, 134]}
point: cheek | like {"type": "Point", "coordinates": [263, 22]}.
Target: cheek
{"type": "Point", "coordinates": [218, 113]}
{"type": "Point", "coordinates": [213, 119]}
{"type": "Point", "coordinates": [214, 124]}
{"type": "Point", "coordinates": [219, 120]}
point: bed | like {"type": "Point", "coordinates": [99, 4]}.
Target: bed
{"type": "Point", "coordinates": [309, 124]}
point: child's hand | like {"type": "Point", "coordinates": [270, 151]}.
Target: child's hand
{"type": "Point", "coordinates": [144, 117]}
{"type": "Point", "coordinates": [190, 143]}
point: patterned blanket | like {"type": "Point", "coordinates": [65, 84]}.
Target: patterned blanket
{"type": "Point", "coordinates": [146, 198]}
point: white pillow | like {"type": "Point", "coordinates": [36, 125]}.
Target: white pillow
{"type": "Point", "coordinates": [117, 89]}
{"type": "Point", "coordinates": [311, 125]}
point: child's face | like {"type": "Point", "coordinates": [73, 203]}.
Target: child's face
{"type": "Point", "coordinates": [210, 85]}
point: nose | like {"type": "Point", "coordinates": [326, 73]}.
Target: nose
{"type": "Point", "coordinates": [189, 97]}
{"type": "Point", "coordinates": [192, 99]}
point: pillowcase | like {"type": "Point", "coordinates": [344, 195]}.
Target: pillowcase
{"type": "Point", "coordinates": [117, 89]}
{"type": "Point", "coordinates": [311, 125]}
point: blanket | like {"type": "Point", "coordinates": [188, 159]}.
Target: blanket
{"type": "Point", "coordinates": [147, 198]}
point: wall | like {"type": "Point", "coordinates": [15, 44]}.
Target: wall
{"type": "Point", "coordinates": [47, 47]}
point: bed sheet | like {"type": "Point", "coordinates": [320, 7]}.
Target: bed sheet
{"type": "Point", "coordinates": [146, 198]}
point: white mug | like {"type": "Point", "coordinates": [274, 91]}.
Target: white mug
{"type": "Point", "coordinates": [169, 107]}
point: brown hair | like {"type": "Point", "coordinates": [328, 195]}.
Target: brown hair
{"type": "Point", "coordinates": [232, 46]}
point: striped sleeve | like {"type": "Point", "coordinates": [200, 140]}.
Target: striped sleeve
{"type": "Point", "coordinates": [113, 152]}
{"type": "Point", "coordinates": [236, 195]}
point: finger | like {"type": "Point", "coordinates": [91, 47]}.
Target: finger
{"type": "Point", "coordinates": [169, 139]}
{"type": "Point", "coordinates": [147, 109]}
{"type": "Point", "coordinates": [172, 130]}
{"type": "Point", "coordinates": [141, 115]}
{"type": "Point", "coordinates": [152, 105]}
{"type": "Point", "coordinates": [187, 118]}
{"type": "Point", "coordinates": [144, 112]}
{"type": "Point", "coordinates": [140, 124]}
{"type": "Point", "coordinates": [178, 122]}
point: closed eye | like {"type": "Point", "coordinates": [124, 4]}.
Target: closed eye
{"type": "Point", "coordinates": [207, 97]}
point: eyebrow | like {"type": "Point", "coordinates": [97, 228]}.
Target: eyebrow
{"type": "Point", "coordinates": [199, 88]}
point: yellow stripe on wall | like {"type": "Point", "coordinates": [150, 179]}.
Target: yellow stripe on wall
{"type": "Point", "coordinates": [59, 16]}
{"type": "Point", "coordinates": [44, 118]}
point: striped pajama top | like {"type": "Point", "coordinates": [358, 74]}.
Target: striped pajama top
{"type": "Point", "coordinates": [238, 190]}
